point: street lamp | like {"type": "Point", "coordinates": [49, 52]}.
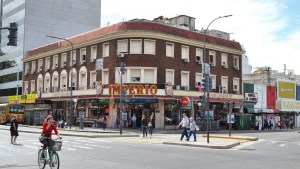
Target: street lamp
{"type": "Point", "coordinates": [206, 74]}
{"type": "Point", "coordinates": [71, 89]}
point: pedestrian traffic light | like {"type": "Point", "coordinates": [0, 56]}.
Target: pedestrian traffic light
{"type": "Point", "coordinates": [13, 34]}
{"type": "Point", "coordinates": [204, 84]}
{"type": "Point", "coordinates": [122, 69]}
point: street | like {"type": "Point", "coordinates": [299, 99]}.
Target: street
{"type": "Point", "coordinates": [272, 150]}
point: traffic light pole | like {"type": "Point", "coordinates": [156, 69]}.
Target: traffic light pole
{"type": "Point", "coordinates": [121, 102]}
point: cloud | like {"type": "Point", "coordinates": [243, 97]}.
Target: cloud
{"type": "Point", "coordinates": [263, 27]}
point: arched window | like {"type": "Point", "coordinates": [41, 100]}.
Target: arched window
{"type": "Point", "coordinates": [63, 80]}
{"type": "Point", "coordinates": [82, 78]}
{"type": "Point", "coordinates": [55, 80]}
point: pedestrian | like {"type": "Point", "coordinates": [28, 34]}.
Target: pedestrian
{"type": "Point", "coordinates": [266, 124]}
{"type": "Point", "coordinates": [271, 123]}
{"type": "Point", "coordinates": [133, 120]}
{"type": "Point", "coordinates": [281, 124]}
{"type": "Point", "coordinates": [117, 122]}
{"type": "Point", "coordinates": [192, 129]}
{"type": "Point", "coordinates": [104, 121]}
{"type": "Point", "coordinates": [291, 123]}
{"type": "Point", "coordinates": [14, 130]}
{"type": "Point", "coordinates": [150, 125]}
{"type": "Point", "coordinates": [144, 125]}
{"type": "Point", "coordinates": [184, 123]}
{"type": "Point", "coordinates": [81, 118]}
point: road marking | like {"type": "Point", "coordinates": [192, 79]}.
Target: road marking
{"type": "Point", "coordinates": [72, 149]}
{"type": "Point", "coordinates": [281, 145]}
{"type": "Point", "coordinates": [31, 146]}
{"type": "Point", "coordinates": [82, 147]}
{"type": "Point", "coordinates": [90, 145]}
{"type": "Point", "coordinates": [105, 147]}
{"type": "Point", "coordinates": [85, 141]}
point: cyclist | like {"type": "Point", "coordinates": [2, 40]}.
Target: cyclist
{"type": "Point", "coordinates": [48, 127]}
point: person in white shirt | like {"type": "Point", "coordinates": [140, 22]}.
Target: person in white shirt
{"type": "Point", "coordinates": [184, 124]}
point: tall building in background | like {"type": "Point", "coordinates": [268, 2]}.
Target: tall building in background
{"type": "Point", "coordinates": [36, 19]}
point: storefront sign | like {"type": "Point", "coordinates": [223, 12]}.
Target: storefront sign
{"type": "Point", "coordinates": [133, 89]}
{"type": "Point", "coordinates": [284, 105]}
{"type": "Point", "coordinates": [26, 98]}
{"type": "Point", "coordinates": [286, 90]}
{"type": "Point", "coordinates": [138, 100]}
{"type": "Point", "coordinates": [169, 90]}
{"type": "Point", "coordinates": [43, 101]}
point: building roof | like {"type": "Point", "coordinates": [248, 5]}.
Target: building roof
{"type": "Point", "coordinates": [135, 26]}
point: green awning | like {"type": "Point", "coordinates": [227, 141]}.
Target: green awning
{"type": "Point", "coordinates": [249, 109]}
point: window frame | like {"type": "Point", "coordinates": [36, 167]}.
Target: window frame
{"type": "Point", "coordinates": [172, 50]}
{"type": "Point", "coordinates": [145, 46]}
{"type": "Point", "coordinates": [139, 46]}
{"type": "Point", "coordinates": [105, 49]}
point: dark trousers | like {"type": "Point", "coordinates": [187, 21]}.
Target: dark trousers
{"type": "Point", "coordinates": [184, 133]}
{"type": "Point", "coordinates": [190, 134]}
{"type": "Point", "coordinates": [150, 130]}
{"type": "Point", "coordinates": [144, 131]}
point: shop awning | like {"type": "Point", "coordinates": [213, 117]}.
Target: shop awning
{"type": "Point", "coordinates": [249, 109]}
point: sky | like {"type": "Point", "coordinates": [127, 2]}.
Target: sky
{"type": "Point", "coordinates": [269, 30]}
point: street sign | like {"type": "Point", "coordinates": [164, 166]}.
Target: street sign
{"type": "Point", "coordinates": [230, 118]}
{"type": "Point", "coordinates": [211, 115]}
{"type": "Point", "coordinates": [99, 64]}
{"type": "Point", "coordinates": [185, 101]}
{"type": "Point", "coordinates": [206, 68]}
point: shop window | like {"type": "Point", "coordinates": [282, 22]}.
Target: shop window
{"type": "Point", "coordinates": [171, 112]}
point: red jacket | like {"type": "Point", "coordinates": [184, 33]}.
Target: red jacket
{"type": "Point", "coordinates": [49, 132]}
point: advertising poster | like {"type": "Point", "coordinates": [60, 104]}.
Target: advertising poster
{"type": "Point", "coordinates": [286, 90]}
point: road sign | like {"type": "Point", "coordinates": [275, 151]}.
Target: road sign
{"type": "Point", "coordinates": [185, 101]}
{"type": "Point", "coordinates": [99, 64]}
{"type": "Point", "coordinates": [206, 68]}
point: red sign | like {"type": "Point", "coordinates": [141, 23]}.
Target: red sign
{"type": "Point", "coordinates": [185, 101]}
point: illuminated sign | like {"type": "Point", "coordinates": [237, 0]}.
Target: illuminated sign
{"type": "Point", "coordinates": [133, 89]}
{"type": "Point", "coordinates": [286, 90]}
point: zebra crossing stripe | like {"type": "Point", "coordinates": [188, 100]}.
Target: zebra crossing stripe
{"type": "Point", "coordinates": [82, 147]}
{"type": "Point", "coordinates": [70, 149]}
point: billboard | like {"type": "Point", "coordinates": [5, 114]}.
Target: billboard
{"type": "Point", "coordinates": [286, 90]}
{"type": "Point", "coordinates": [271, 97]}
{"type": "Point", "coordinates": [297, 92]}
{"type": "Point", "coordinates": [261, 91]}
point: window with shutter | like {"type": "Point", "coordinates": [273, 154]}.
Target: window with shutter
{"type": "Point", "coordinates": [135, 75]}
{"type": "Point", "coordinates": [149, 47]}
{"type": "Point", "coordinates": [170, 76]}
{"type": "Point", "coordinates": [184, 78]}
{"type": "Point", "coordinates": [148, 76]}
{"type": "Point", "coordinates": [123, 46]}
{"type": "Point", "coordinates": [170, 49]}
{"type": "Point", "coordinates": [184, 52]}
{"type": "Point", "coordinates": [136, 46]}
{"type": "Point", "coordinates": [105, 77]}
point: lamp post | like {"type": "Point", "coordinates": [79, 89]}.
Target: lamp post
{"type": "Point", "coordinates": [71, 74]}
{"type": "Point", "coordinates": [206, 74]}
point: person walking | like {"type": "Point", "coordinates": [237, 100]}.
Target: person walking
{"type": "Point", "coordinates": [81, 118]}
{"type": "Point", "coordinates": [14, 130]}
{"type": "Point", "coordinates": [133, 119]}
{"type": "Point", "coordinates": [184, 124]}
{"type": "Point", "coordinates": [104, 121]}
{"type": "Point", "coordinates": [150, 125]}
{"type": "Point", "coordinates": [192, 129]}
{"type": "Point", "coordinates": [144, 125]}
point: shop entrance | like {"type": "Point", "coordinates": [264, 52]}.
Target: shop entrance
{"type": "Point", "coordinates": [138, 109]}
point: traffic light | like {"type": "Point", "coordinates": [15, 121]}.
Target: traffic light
{"type": "Point", "coordinates": [122, 69]}
{"type": "Point", "coordinates": [202, 99]}
{"type": "Point", "coordinates": [13, 34]}
{"type": "Point", "coordinates": [210, 84]}
{"type": "Point", "coordinates": [204, 84]}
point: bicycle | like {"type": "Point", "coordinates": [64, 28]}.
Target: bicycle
{"type": "Point", "coordinates": [51, 156]}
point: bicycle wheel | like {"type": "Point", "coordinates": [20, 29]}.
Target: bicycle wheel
{"type": "Point", "coordinates": [54, 161]}
{"type": "Point", "coordinates": [41, 162]}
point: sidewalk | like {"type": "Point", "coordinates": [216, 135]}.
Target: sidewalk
{"type": "Point", "coordinates": [169, 137]}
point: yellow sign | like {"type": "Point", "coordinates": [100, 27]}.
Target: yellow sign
{"type": "Point", "coordinates": [26, 98]}
{"type": "Point", "coordinates": [286, 90]}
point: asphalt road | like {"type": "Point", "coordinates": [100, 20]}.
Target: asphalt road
{"type": "Point", "coordinates": [273, 150]}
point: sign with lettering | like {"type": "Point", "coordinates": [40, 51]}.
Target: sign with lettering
{"type": "Point", "coordinates": [286, 90]}
{"type": "Point", "coordinates": [133, 89]}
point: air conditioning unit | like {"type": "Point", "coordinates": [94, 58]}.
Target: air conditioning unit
{"type": "Point", "coordinates": [236, 92]}
{"type": "Point", "coordinates": [177, 87]}
{"type": "Point", "coordinates": [224, 63]}
{"type": "Point", "coordinates": [212, 64]}
{"type": "Point", "coordinates": [186, 60]}
{"type": "Point", "coordinates": [121, 54]}
{"type": "Point", "coordinates": [225, 91]}
{"type": "Point", "coordinates": [225, 66]}
{"type": "Point", "coordinates": [93, 60]}
{"type": "Point", "coordinates": [199, 62]}
{"type": "Point", "coordinates": [56, 65]}
{"type": "Point", "coordinates": [236, 68]}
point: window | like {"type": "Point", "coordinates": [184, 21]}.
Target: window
{"type": "Point", "coordinates": [224, 60]}
{"type": "Point", "coordinates": [82, 55]}
{"type": "Point", "coordinates": [135, 75]}
{"type": "Point", "coordinates": [236, 85]}
{"type": "Point", "coordinates": [73, 56]}
{"type": "Point", "coordinates": [170, 49]}
{"type": "Point", "coordinates": [117, 75]}
{"type": "Point", "coordinates": [93, 53]}
{"type": "Point", "coordinates": [105, 76]}
{"type": "Point", "coordinates": [198, 79]}
{"type": "Point", "coordinates": [235, 61]}
{"type": "Point", "coordinates": [185, 52]}
{"type": "Point", "coordinates": [93, 80]}
{"type": "Point", "coordinates": [170, 76]}
{"type": "Point", "coordinates": [212, 58]}
{"type": "Point", "coordinates": [26, 87]}
{"type": "Point", "coordinates": [135, 46]}
{"type": "Point", "coordinates": [185, 79]}
{"type": "Point", "coordinates": [47, 63]}
{"type": "Point", "coordinates": [27, 68]}
{"type": "Point", "coordinates": [149, 75]}
{"type": "Point", "coordinates": [33, 67]}
{"type": "Point", "coordinates": [214, 81]}
{"type": "Point", "coordinates": [122, 46]}
{"type": "Point", "coordinates": [63, 60]}
{"type": "Point", "coordinates": [199, 55]}
{"type": "Point", "coordinates": [40, 65]}
{"type": "Point", "coordinates": [224, 84]}
{"type": "Point", "coordinates": [105, 50]}
{"type": "Point", "coordinates": [149, 47]}
{"type": "Point", "coordinates": [32, 86]}
{"type": "Point", "coordinates": [55, 61]}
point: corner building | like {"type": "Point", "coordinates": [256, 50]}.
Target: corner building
{"type": "Point", "coordinates": [163, 65]}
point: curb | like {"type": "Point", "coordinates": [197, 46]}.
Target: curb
{"type": "Point", "coordinates": [234, 137]}
{"type": "Point", "coordinates": [228, 146]}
